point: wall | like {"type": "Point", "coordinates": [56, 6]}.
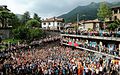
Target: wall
{"type": "Point", "coordinates": [52, 26]}
{"type": "Point", "coordinates": [118, 16]}
{"type": "Point", "coordinates": [88, 25]}
{"type": "Point", "coordinates": [4, 33]}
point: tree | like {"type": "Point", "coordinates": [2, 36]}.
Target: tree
{"type": "Point", "coordinates": [112, 26]}
{"type": "Point", "coordinates": [5, 15]}
{"type": "Point", "coordinates": [32, 23]}
{"type": "Point", "coordinates": [8, 18]}
{"type": "Point", "coordinates": [104, 12]}
{"type": "Point", "coordinates": [14, 21]}
{"type": "Point", "coordinates": [35, 33]}
{"type": "Point", "coordinates": [36, 17]}
{"type": "Point", "coordinates": [21, 33]}
{"type": "Point", "coordinates": [25, 17]}
{"type": "Point", "coordinates": [117, 22]}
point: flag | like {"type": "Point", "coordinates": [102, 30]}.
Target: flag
{"type": "Point", "coordinates": [75, 44]}
{"type": "Point", "coordinates": [70, 43]}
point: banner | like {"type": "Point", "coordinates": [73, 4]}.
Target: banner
{"type": "Point", "coordinates": [75, 44]}
{"type": "Point", "coordinates": [70, 43]}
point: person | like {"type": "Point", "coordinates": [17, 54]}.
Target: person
{"type": "Point", "coordinates": [96, 71]}
{"type": "Point", "coordinates": [80, 68]}
{"type": "Point", "coordinates": [113, 70]}
{"type": "Point", "coordinates": [101, 61]}
{"type": "Point", "coordinates": [86, 69]}
{"type": "Point", "coordinates": [100, 70]}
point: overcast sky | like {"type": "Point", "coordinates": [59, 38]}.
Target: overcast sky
{"type": "Point", "coordinates": [45, 8]}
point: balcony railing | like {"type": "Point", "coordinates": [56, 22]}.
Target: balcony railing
{"type": "Point", "coordinates": [102, 36]}
{"type": "Point", "coordinates": [93, 50]}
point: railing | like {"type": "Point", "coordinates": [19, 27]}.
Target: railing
{"type": "Point", "coordinates": [93, 33]}
{"type": "Point", "coordinates": [105, 54]}
{"type": "Point", "coordinates": [93, 37]}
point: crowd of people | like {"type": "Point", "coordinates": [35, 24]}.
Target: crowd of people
{"type": "Point", "coordinates": [45, 40]}
{"type": "Point", "coordinates": [91, 33]}
{"type": "Point", "coordinates": [55, 59]}
{"type": "Point", "coordinates": [13, 46]}
{"type": "Point", "coordinates": [95, 46]}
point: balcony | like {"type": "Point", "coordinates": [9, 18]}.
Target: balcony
{"type": "Point", "coordinates": [91, 49]}
{"type": "Point", "coordinates": [93, 35]}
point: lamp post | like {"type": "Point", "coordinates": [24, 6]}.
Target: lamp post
{"type": "Point", "coordinates": [84, 21]}
{"type": "Point", "coordinates": [77, 23]}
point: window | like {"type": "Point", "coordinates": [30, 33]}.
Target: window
{"type": "Point", "coordinates": [58, 23]}
{"type": "Point", "coordinates": [115, 18]}
{"type": "Point", "coordinates": [49, 23]}
{"type": "Point", "coordinates": [44, 23]}
{"type": "Point", "coordinates": [110, 18]}
{"type": "Point", "coordinates": [115, 11]}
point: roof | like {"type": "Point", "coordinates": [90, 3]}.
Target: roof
{"type": "Point", "coordinates": [92, 21]}
{"type": "Point", "coordinates": [115, 7]}
{"type": "Point", "coordinates": [53, 19]}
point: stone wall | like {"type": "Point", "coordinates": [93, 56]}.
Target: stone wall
{"type": "Point", "coordinates": [4, 33]}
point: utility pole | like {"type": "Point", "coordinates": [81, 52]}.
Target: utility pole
{"type": "Point", "coordinates": [77, 22]}
{"type": "Point", "coordinates": [77, 19]}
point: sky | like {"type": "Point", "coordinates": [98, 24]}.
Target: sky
{"type": "Point", "coordinates": [46, 8]}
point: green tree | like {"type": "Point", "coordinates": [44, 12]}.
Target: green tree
{"type": "Point", "coordinates": [21, 33]}
{"type": "Point", "coordinates": [14, 21]}
{"type": "Point", "coordinates": [5, 15]}
{"type": "Point", "coordinates": [35, 33]}
{"type": "Point", "coordinates": [112, 26]}
{"type": "Point", "coordinates": [25, 17]}
{"type": "Point", "coordinates": [36, 17]}
{"type": "Point", "coordinates": [117, 22]}
{"type": "Point", "coordinates": [104, 12]}
{"type": "Point", "coordinates": [32, 23]}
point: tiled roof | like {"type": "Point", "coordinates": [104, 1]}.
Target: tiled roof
{"type": "Point", "coordinates": [53, 19]}
{"type": "Point", "coordinates": [92, 21]}
{"type": "Point", "coordinates": [115, 7]}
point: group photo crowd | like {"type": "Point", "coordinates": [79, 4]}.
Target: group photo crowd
{"type": "Point", "coordinates": [109, 49]}
{"type": "Point", "coordinates": [100, 33]}
{"type": "Point", "coordinates": [53, 58]}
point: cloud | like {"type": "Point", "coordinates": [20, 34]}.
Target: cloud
{"type": "Point", "coordinates": [45, 8]}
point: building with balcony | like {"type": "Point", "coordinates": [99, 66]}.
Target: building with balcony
{"type": "Point", "coordinates": [53, 23]}
{"type": "Point", "coordinates": [106, 44]}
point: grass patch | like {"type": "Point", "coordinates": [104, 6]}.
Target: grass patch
{"type": "Point", "coordinates": [11, 41]}
{"type": "Point", "coordinates": [2, 47]}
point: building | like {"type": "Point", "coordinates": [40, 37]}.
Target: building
{"type": "Point", "coordinates": [116, 13]}
{"type": "Point", "coordinates": [96, 24]}
{"type": "Point", "coordinates": [103, 43]}
{"type": "Point", "coordinates": [53, 23]}
{"type": "Point", "coordinates": [90, 24]}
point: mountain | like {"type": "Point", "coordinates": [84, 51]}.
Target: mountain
{"type": "Point", "coordinates": [88, 12]}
